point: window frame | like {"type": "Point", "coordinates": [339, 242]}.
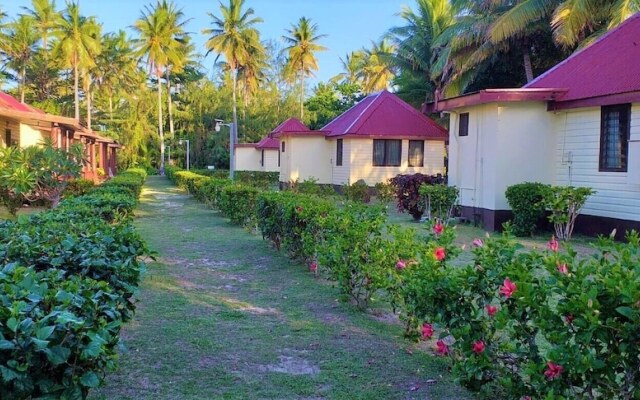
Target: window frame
{"type": "Point", "coordinates": [262, 157]}
{"type": "Point", "coordinates": [463, 132]}
{"type": "Point", "coordinates": [421, 163]}
{"type": "Point", "coordinates": [624, 135]}
{"type": "Point", "coordinates": [386, 155]}
{"type": "Point", "coordinates": [283, 142]}
{"type": "Point", "coordinates": [339, 152]}
{"type": "Point", "coordinates": [7, 137]}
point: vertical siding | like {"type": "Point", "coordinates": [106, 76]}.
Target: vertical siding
{"type": "Point", "coordinates": [577, 163]}
{"type": "Point", "coordinates": [30, 136]}
{"type": "Point", "coordinates": [309, 158]}
{"type": "Point", "coordinates": [341, 174]}
{"type": "Point", "coordinates": [284, 159]}
{"type": "Point", "coordinates": [13, 126]}
{"type": "Point", "coordinates": [271, 160]}
{"type": "Point", "coordinates": [361, 161]}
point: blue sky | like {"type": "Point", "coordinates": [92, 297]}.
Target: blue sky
{"type": "Point", "coordinates": [348, 24]}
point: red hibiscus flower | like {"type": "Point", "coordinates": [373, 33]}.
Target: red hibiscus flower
{"type": "Point", "coordinates": [478, 242]}
{"type": "Point", "coordinates": [438, 228]}
{"type": "Point", "coordinates": [439, 253]}
{"type": "Point", "coordinates": [478, 347]}
{"type": "Point", "coordinates": [427, 331]}
{"type": "Point", "coordinates": [553, 370]}
{"type": "Point", "coordinates": [553, 244]}
{"type": "Point", "coordinates": [298, 209]}
{"type": "Point", "coordinates": [400, 265]}
{"type": "Point", "coordinates": [442, 348]}
{"type": "Point", "coordinates": [313, 267]}
{"type": "Point", "coordinates": [569, 318]}
{"type": "Point", "coordinates": [508, 288]}
{"type": "Point", "coordinates": [491, 310]}
{"type": "Point", "coordinates": [563, 269]}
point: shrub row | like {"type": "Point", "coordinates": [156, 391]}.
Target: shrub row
{"type": "Point", "coordinates": [260, 179]}
{"type": "Point", "coordinates": [67, 280]}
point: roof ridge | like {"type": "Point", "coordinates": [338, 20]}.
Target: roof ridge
{"type": "Point", "coordinates": [345, 112]}
{"type": "Point", "coordinates": [357, 119]}
{"type": "Point", "coordinates": [584, 49]}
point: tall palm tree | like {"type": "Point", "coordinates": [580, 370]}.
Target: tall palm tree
{"type": "Point", "coordinates": [235, 37]}
{"type": "Point", "coordinates": [302, 41]}
{"type": "Point", "coordinates": [377, 70]}
{"type": "Point", "coordinates": [18, 45]}
{"type": "Point", "coordinates": [46, 18]}
{"type": "Point", "coordinates": [77, 45]}
{"type": "Point", "coordinates": [351, 66]}
{"type": "Point", "coordinates": [158, 44]}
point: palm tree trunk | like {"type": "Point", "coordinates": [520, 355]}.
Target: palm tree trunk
{"type": "Point", "coordinates": [528, 70]}
{"type": "Point", "coordinates": [235, 120]}
{"type": "Point", "coordinates": [23, 79]}
{"type": "Point", "coordinates": [76, 97]}
{"type": "Point", "coordinates": [88, 94]}
{"type": "Point", "coordinates": [301, 94]}
{"type": "Point", "coordinates": [111, 108]}
{"type": "Point", "coordinates": [160, 130]}
{"type": "Point", "coordinates": [170, 104]}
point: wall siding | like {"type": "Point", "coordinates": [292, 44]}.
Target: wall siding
{"type": "Point", "coordinates": [361, 161]}
{"type": "Point", "coordinates": [578, 134]}
{"type": "Point", "coordinates": [31, 136]}
{"type": "Point", "coordinates": [341, 174]}
{"type": "Point", "coordinates": [9, 124]}
{"type": "Point", "coordinates": [271, 160]}
{"type": "Point", "coordinates": [248, 159]}
{"type": "Point", "coordinates": [307, 158]}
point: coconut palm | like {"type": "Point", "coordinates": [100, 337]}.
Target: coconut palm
{"type": "Point", "coordinates": [235, 37]}
{"type": "Point", "coordinates": [78, 43]}
{"type": "Point", "coordinates": [302, 41]}
{"type": "Point", "coordinates": [46, 19]}
{"type": "Point", "coordinates": [18, 45]}
{"type": "Point", "coordinates": [377, 70]}
{"type": "Point", "coordinates": [159, 45]}
{"type": "Point", "coordinates": [351, 67]}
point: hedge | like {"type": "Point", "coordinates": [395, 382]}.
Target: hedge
{"type": "Point", "coordinates": [67, 281]}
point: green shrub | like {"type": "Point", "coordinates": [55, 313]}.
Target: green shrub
{"type": "Point", "coordinates": [358, 191]}
{"type": "Point", "coordinates": [312, 187]}
{"type": "Point", "coordinates": [271, 211]}
{"type": "Point", "coordinates": [77, 187]}
{"type": "Point", "coordinates": [527, 203]}
{"type": "Point", "coordinates": [210, 191]}
{"type": "Point", "coordinates": [565, 203]}
{"type": "Point", "coordinates": [385, 192]}
{"type": "Point", "coordinates": [237, 202]}
{"type": "Point", "coordinates": [440, 201]}
{"type": "Point", "coordinates": [407, 192]}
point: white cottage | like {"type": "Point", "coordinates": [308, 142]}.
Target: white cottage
{"type": "Point", "coordinates": [578, 124]}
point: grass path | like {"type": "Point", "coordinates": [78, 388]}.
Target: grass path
{"type": "Point", "coordinates": [223, 316]}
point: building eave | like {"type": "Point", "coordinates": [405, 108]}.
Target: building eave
{"type": "Point", "coordinates": [495, 96]}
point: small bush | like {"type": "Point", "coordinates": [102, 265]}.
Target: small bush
{"type": "Point", "coordinates": [311, 186]}
{"type": "Point", "coordinates": [385, 192]}
{"type": "Point", "coordinates": [237, 202]}
{"type": "Point", "coordinates": [565, 203]}
{"type": "Point", "coordinates": [77, 187]}
{"type": "Point", "coordinates": [527, 203]}
{"type": "Point", "coordinates": [440, 201]}
{"type": "Point", "coordinates": [407, 192]}
{"type": "Point", "coordinates": [358, 191]}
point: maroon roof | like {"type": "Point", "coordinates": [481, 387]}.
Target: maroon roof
{"type": "Point", "coordinates": [9, 103]}
{"type": "Point", "coordinates": [494, 95]}
{"type": "Point", "coordinates": [292, 125]}
{"type": "Point", "coordinates": [384, 114]}
{"type": "Point", "coordinates": [607, 67]}
{"type": "Point", "coordinates": [268, 143]}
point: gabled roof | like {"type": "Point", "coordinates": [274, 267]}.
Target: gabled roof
{"type": "Point", "coordinates": [268, 143]}
{"type": "Point", "coordinates": [607, 67]}
{"type": "Point", "coordinates": [384, 114]}
{"type": "Point", "coordinates": [9, 103]}
{"type": "Point", "coordinates": [291, 126]}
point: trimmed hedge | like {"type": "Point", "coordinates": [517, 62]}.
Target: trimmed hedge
{"type": "Point", "coordinates": [527, 203]}
{"type": "Point", "coordinates": [67, 281]}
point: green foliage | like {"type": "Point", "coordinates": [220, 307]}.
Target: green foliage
{"type": "Point", "coordinates": [527, 203]}
{"type": "Point", "coordinates": [311, 186]}
{"type": "Point", "coordinates": [237, 202]}
{"type": "Point", "coordinates": [77, 187]}
{"type": "Point", "coordinates": [440, 201]}
{"type": "Point", "coordinates": [330, 100]}
{"type": "Point", "coordinates": [67, 277]}
{"type": "Point", "coordinates": [407, 192]}
{"type": "Point", "coordinates": [565, 203]}
{"type": "Point", "coordinates": [358, 191]}
{"type": "Point", "coordinates": [385, 192]}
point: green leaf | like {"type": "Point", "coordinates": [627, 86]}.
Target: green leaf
{"type": "Point", "coordinates": [40, 344]}
{"type": "Point", "coordinates": [89, 379]}
{"type": "Point", "coordinates": [57, 354]}
{"type": "Point", "coordinates": [627, 312]}
{"type": "Point", "coordinates": [8, 374]}
{"type": "Point", "coordinates": [12, 324]}
{"type": "Point", "coordinates": [7, 345]}
{"type": "Point", "coordinates": [45, 332]}
{"type": "Point", "coordinates": [67, 317]}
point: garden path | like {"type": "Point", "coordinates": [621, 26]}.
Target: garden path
{"type": "Point", "coordinates": [222, 315]}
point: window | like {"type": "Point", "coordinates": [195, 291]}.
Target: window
{"type": "Point", "coordinates": [614, 137]}
{"type": "Point", "coordinates": [279, 158]}
{"type": "Point", "coordinates": [7, 137]}
{"type": "Point", "coordinates": [283, 146]}
{"type": "Point", "coordinates": [416, 153]}
{"type": "Point", "coordinates": [339, 152]}
{"type": "Point", "coordinates": [463, 124]}
{"type": "Point", "coordinates": [262, 158]}
{"type": "Point", "coordinates": [387, 152]}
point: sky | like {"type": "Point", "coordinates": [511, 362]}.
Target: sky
{"type": "Point", "coordinates": [348, 24]}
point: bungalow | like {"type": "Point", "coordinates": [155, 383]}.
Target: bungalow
{"type": "Point", "coordinates": [375, 140]}
{"type": "Point", "coordinates": [28, 126]}
{"type": "Point", "coordinates": [261, 156]}
{"type": "Point", "coordinates": [577, 124]}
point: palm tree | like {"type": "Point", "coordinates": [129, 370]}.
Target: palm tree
{"type": "Point", "coordinates": [158, 44]}
{"type": "Point", "coordinates": [302, 41]}
{"type": "Point", "coordinates": [377, 70]}
{"type": "Point", "coordinates": [46, 18]}
{"type": "Point", "coordinates": [234, 36]}
{"type": "Point", "coordinates": [352, 68]}
{"type": "Point", "coordinates": [78, 43]}
{"type": "Point", "coordinates": [18, 46]}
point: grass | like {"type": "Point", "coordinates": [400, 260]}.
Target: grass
{"type": "Point", "coordinates": [223, 316]}
{"type": "Point", "coordinates": [4, 213]}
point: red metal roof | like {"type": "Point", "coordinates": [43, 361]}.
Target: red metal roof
{"type": "Point", "coordinates": [9, 103]}
{"type": "Point", "coordinates": [292, 125]}
{"type": "Point", "coordinates": [607, 67]}
{"type": "Point", "coordinates": [384, 114]}
{"type": "Point", "coordinates": [268, 143]}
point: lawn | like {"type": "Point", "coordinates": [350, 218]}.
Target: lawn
{"type": "Point", "coordinates": [4, 213]}
{"type": "Point", "coordinates": [223, 316]}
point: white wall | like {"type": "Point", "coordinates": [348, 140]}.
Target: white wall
{"type": "Point", "coordinates": [271, 160]}
{"type": "Point", "coordinates": [578, 134]}
{"type": "Point", "coordinates": [361, 161]}
{"type": "Point", "coordinates": [30, 136]}
{"type": "Point", "coordinates": [341, 174]}
{"type": "Point", "coordinates": [248, 159]}
{"type": "Point", "coordinates": [305, 158]}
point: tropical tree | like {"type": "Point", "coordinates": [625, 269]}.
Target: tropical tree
{"type": "Point", "coordinates": [377, 69]}
{"type": "Point", "coordinates": [351, 68]}
{"type": "Point", "coordinates": [159, 45]}
{"type": "Point", "coordinates": [78, 43]}
{"type": "Point", "coordinates": [235, 37]}
{"type": "Point", "coordinates": [18, 45]}
{"type": "Point", "coordinates": [46, 19]}
{"type": "Point", "coordinates": [303, 44]}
